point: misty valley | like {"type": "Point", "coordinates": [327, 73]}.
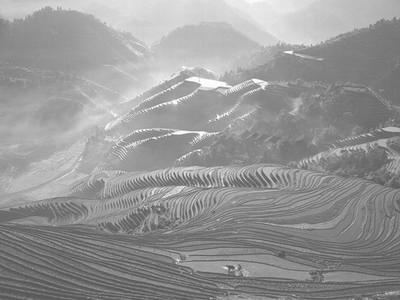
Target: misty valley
{"type": "Point", "coordinates": [198, 149]}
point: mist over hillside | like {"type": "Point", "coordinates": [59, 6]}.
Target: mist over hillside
{"type": "Point", "coordinates": [199, 149]}
{"type": "Point", "coordinates": [61, 73]}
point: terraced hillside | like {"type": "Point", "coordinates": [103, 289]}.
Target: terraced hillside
{"type": "Point", "coordinates": [184, 114]}
{"type": "Point", "coordinates": [112, 218]}
{"type": "Point", "coordinates": [373, 155]}
{"type": "Point", "coordinates": [292, 232]}
{"type": "Point", "coordinates": [212, 100]}
{"type": "Point", "coordinates": [381, 138]}
{"type": "Point", "coordinates": [147, 149]}
{"type": "Point", "coordinates": [156, 111]}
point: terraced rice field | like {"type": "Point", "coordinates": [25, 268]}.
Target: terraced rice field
{"type": "Point", "coordinates": [149, 149]}
{"type": "Point", "coordinates": [47, 170]}
{"type": "Point", "coordinates": [168, 234]}
{"type": "Point", "coordinates": [122, 231]}
{"type": "Point", "coordinates": [385, 138]}
{"type": "Point", "coordinates": [210, 104]}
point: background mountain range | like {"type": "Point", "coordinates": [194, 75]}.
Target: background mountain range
{"type": "Point", "coordinates": [61, 39]}
{"type": "Point", "coordinates": [265, 22]}
{"type": "Point", "coordinates": [151, 20]}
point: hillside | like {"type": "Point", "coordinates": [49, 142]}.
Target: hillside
{"type": "Point", "coordinates": [211, 45]}
{"type": "Point", "coordinates": [68, 40]}
{"type": "Point", "coordinates": [389, 84]}
{"type": "Point", "coordinates": [363, 56]}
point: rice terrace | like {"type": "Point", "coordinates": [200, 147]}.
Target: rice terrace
{"type": "Point", "coordinates": [276, 178]}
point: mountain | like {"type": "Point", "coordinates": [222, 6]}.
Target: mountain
{"type": "Point", "coordinates": [326, 18]}
{"type": "Point", "coordinates": [68, 40]}
{"type": "Point", "coordinates": [363, 56]}
{"type": "Point", "coordinates": [211, 45]}
{"type": "Point", "coordinates": [154, 18]}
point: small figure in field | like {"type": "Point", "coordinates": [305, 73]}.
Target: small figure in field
{"type": "Point", "coordinates": [236, 270]}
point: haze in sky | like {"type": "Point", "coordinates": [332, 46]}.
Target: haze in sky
{"type": "Point", "coordinates": [19, 8]}
{"type": "Point", "coordinates": [284, 6]}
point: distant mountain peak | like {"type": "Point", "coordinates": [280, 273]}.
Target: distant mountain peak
{"type": "Point", "coordinates": [66, 39]}
{"type": "Point", "coordinates": [209, 44]}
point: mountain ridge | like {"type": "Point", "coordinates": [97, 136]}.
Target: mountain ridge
{"type": "Point", "coordinates": [208, 44]}
{"type": "Point", "coordinates": [66, 39]}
